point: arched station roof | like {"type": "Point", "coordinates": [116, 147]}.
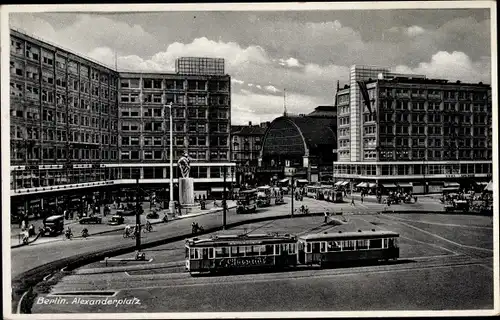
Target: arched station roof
{"type": "Point", "coordinates": [298, 135]}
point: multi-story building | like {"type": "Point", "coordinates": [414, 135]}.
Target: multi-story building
{"type": "Point", "coordinates": [246, 144]}
{"type": "Point", "coordinates": [411, 132]}
{"type": "Point", "coordinates": [78, 124]}
{"type": "Point", "coordinates": [63, 115]}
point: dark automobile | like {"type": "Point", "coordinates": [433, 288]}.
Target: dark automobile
{"type": "Point", "coordinates": [153, 215]}
{"type": "Point", "coordinates": [91, 220]}
{"type": "Point", "coordinates": [116, 220]}
{"type": "Point", "coordinates": [53, 225]}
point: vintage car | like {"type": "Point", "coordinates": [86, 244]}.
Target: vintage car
{"type": "Point", "coordinates": [88, 220]}
{"type": "Point", "coordinates": [116, 220]}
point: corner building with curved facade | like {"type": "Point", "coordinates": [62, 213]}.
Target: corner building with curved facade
{"type": "Point", "coordinates": [421, 135]}
{"type": "Point", "coordinates": [77, 124]}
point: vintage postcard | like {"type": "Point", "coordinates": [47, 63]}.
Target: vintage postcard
{"type": "Point", "coordinates": [257, 160]}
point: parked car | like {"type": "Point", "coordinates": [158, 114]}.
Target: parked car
{"type": "Point", "coordinates": [116, 220]}
{"type": "Point", "coordinates": [87, 220]}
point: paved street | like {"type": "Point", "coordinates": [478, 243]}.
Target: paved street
{"type": "Point", "coordinates": [438, 269]}
{"type": "Point", "coordinates": [40, 252]}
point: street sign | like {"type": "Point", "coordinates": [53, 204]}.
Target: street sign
{"type": "Point", "coordinates": [289, 171]}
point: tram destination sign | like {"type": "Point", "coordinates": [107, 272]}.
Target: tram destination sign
{"type": "Point", "coordinates": [244, 262]}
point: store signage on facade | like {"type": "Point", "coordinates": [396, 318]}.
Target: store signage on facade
{"type": "Point", "coordinates": [465, 175]}
{"type": "Point", "coordinates": [289, 171]}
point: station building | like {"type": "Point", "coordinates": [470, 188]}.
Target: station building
{"type": "Point", "coordinates": [408, 132]}
{"type": "Point", "coordinates": [304, 142]}
{"type": "Point", "coordinates": [77, 124]}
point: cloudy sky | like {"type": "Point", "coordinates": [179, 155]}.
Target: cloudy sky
{"type": "Point", "coordinates": [304, 52]}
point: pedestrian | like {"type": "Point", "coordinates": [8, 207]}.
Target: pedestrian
{"type": "Point", "coordinates": [415, 199]}
{"type": "Point", "coordinates": [326, 216]}
{"type": "Point", "coordinates": [352, 202]}
{"type": "Point", "coordinates": [23, 224]}
{"type": "Point", "coordinates": [361, 199]}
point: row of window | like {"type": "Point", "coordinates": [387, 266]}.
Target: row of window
{"type": "Point", "coordinates": [350, 245]}
{"type": "Point", "coordinates": [448, 94]}
{"type": "Point", "coordinates": [241, 251]}
{"type": "Point", "coordinates": [431, 106]}
{"type": "Point", "coordinates": [409, 169]}
{"type": "Point", "coordinates": [191, 85]}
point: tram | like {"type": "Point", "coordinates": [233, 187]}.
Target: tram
{"type": "Point", "coordinates": [275, 251]}
{"type": "Point", "coordinates": [230, 252]}
{"type": "Point", "coordinates": [329, 248]}
{"type": "Point", "coordinates": [332, 195]}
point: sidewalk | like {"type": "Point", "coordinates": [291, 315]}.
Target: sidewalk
{"type": "Point", "coordinates": [96, 229]}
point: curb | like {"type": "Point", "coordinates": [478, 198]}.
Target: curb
{"type": "Point", "coordinates": [118, 229]}
{"type": "Point", "coordinates": [29, 279]}
{"type": "Point", "coordinates": [29, 242]}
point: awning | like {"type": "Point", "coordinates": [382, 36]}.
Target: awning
{"type": "Point", "coordinates": [405, 185]}
{"type": "Point", "coordinates": [450, 189]}
{"type": "Point", "coordinates": [372, 185]}
{"type": "Point", "coordinates": [452, 184]}
{"type": "Point", "coordinates": [284, 180]}
{"type": "Point", "coordinates": [389, 185]}
{"type": "Point", "coordinates": [302, 180]}
{"type": "Point", "coordinates": [218, 189]}
{"type": "Point", "coordinates": [345, 183]}
{"type": "Point", "coordinates": [338, 183]}
{"type": "Point", "coordinates": [362, 185]}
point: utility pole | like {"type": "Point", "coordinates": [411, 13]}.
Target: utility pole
{"type": "Point", "coordinates": [224, 204]}
{"type": "Point", "coordinates": [293, 194]}
{"type": "Point", "coordinates": [137, 218]}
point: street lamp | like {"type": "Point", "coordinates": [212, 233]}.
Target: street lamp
{"type": "Point", "coordinates": [171, 203]}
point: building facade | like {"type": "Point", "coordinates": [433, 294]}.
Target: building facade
{"type": "Point", "coordinates": [411, 132]}
{"type": "Point", "coordinates": [247, 144]}
{"type": "Point", "coordinates": [77, 124]}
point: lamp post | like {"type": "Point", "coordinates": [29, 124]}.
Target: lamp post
{"type": "Point", "coordinates": [171, 203]}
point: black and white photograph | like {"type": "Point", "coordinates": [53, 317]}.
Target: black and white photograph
{"type": "Point", "coordinates": [273, 160]}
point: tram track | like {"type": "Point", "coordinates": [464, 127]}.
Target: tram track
{"type": "Point", "coordinates": [166, 280]}
{"type": "Point", "coordinates": [137, 279]}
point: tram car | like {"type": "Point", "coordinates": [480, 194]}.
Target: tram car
{"type": "Point", "coordinates": [230, 252]}
{"type": "Point", "coordinates": [274, 251]}
{"type": "Point", "coordinates": [330, 248]}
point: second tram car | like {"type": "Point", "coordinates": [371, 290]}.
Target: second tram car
{"type": "Point", "coordinates": [330, 248]}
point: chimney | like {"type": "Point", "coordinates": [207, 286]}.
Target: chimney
{"type": "Point", "coordinates": [249, 123]}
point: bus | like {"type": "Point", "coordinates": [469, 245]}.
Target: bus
{"type": "Point", "coordinates": [264, 196]}
{"type": "Point", "coordinates": [232, 252]}
{"type": "Point", "coordinates": [329, 248]}
{"type": "Point", "coordinates": [247, 201]}
{"type": "Point", "coordinates": [313, 192]}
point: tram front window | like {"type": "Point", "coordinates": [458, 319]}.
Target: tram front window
{"type": "Point", "coordinates": [315, 247]}
{"type": "Point", "coordinates": [393, 243]}
{"type": "Point", "coordinates": [205, 253]}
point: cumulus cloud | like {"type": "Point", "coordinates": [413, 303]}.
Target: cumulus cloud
{"type": "Point", "coordinates": [414, 31]}
{"type": "Point", "coordinates": [271, 88]}
{"type": "Point", "coordinates": [452, 66]}
{"type": "Point", "coordinates": [87, 31]}
{"type": "Point", "coordinates": [233, 80]}
{"type": "Point", "coordinates": [290, 62]}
